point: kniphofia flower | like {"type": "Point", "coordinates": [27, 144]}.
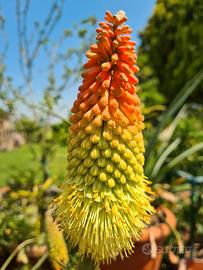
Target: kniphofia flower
{"type": "Point", "coordinates": [105, 202]}
{"type": "Point", "coordinates": [58, 252]}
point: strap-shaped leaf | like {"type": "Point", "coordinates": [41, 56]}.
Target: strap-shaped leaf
{"type": "Point", "coordinates": [185, 154]}
{"type": "Point", "coordinates": [176, 104]}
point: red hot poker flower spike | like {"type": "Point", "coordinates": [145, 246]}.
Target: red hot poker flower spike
{"type": "Point", "coordinates": [105, 203]}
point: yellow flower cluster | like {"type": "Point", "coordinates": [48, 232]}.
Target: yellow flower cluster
{"type": "Point", "coordinates": [58, 252]}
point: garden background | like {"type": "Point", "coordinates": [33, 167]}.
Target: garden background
{"type": "Point", "coordinates": [42, 50]}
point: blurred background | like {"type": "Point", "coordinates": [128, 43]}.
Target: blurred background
{"type": "Point", "coordinates": [42, 51]}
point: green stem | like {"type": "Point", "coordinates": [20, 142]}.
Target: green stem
{"type": "Point", "coordinates": [176, 234]}
{"type": "Point", "coordinates": [40, 261]}
{"type": "Point", "coordinates": [86, 264]}
{"type": "Point", "coordinates": [16, 250]}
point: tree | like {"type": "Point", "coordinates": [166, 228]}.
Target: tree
{"type": "Point", "coordinates": [171, 47]}
{"type": "Point", "coordinates": [46, 108]}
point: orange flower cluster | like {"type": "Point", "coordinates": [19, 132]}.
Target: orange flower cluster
{"type": "Point", "coordinates": [108, 89]}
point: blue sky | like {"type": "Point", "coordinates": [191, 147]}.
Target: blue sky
{"type": "Point", "coordinates": [138, 12]}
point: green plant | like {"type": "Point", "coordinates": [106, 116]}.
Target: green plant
{"type": "Point", "coordinates": [171, 45]}
{"type": "Point", "coordinates": [161, 142]}
{"type": "Point", "coordinates": [19, 220]}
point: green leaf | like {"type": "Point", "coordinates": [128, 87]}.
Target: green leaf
{"type": "Point", "coordinates": [164, 156]}
{"type": "Point", "coordinates": [185, 154]}
{"type": "Point", "coordinates": [82, 33]}
{"type": "Point", "coordinates": [67, 33]}
{"type": "Point", "coordinates": [164, 139]}
{"type": "Point", "coordinates": [176, 104]}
